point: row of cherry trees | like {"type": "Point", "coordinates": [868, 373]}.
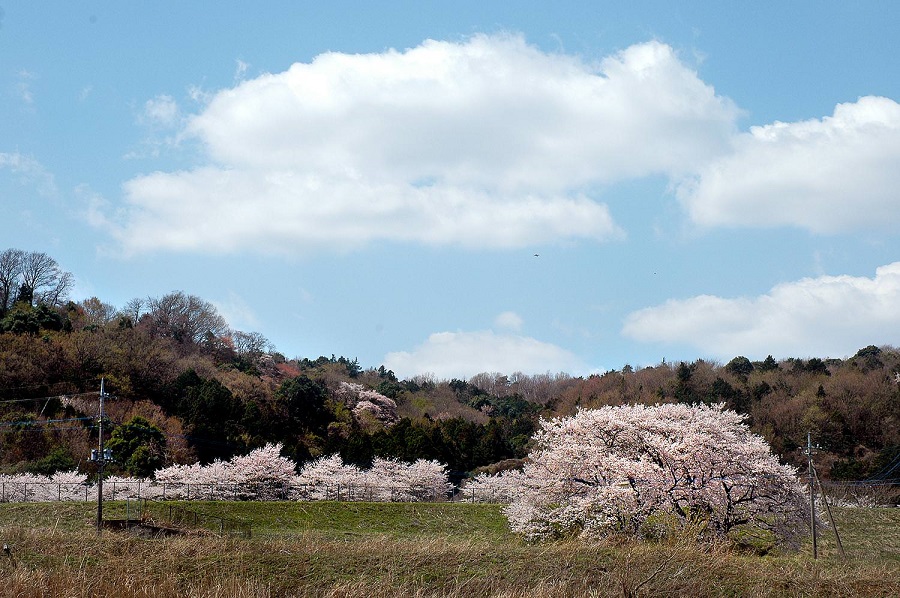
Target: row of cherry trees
{"type": "Point", "coordinates": [262, 474]}
{"type": "Point", "coordinates": [629, 469]}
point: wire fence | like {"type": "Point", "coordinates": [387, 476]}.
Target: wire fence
{"type": "Point", "coordinates": [156, 514]}
{"type": "Point", "coordinates": [147, 516]}
{"type": "Point", "coordinates": [45, 492]}
{"type": "Point", "coordinates": [862, 494]}
{"type": "Point", "coordinates": [21, 491]}
{"type": "Point", "coordinates": [849, 494]}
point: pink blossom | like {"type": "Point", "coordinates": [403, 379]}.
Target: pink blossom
{"type": "Point", "coordinates": [622, 469]}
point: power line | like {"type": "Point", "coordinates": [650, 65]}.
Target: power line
{"type": "Point", "coordinates": [54, 429]}
{"type": "Point", "coordinates": [60, 397]}
{"type": "Point", "coordinates": [888, 469]}
{"type": "Point", "coordinates": [41, 422]}
{"type": "Point", "coordinates": [38, 386]}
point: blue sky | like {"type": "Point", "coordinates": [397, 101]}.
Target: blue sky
{"type": "Point", "coordinates": [452, 188]}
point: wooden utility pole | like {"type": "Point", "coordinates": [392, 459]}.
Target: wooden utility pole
{"type": "Point", "coordinates": [837, 536]}
{"type": "Point", "coordinates": [100, 457]}
{"type": "Point", "coordinates": [812, 494]}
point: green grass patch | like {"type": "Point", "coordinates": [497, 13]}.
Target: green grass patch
{"type": "Point", "coordinates": [361, 519]}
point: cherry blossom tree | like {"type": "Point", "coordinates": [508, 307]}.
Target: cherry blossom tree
{"type": "Point", "coordinates": [502, 487]}
{"type": "Point", "coordinates": [629, 468]}
{"type": "Point", "coordinates": [261, 474]}
{"type": "Point", "coordinates": [212, 481]}
{"type": "Point", "coordinates": [265, 469]}
{"type": "Point", "coordinates": [62, 485]}
{"type": "Point", "coordinates": [367, 404]}
{"type": "Point", "coordinates": [386, 480]}
{"type": "Point", "coordinates": [323, 478]}
{"type": "Point", "coordinates": [395, 480]}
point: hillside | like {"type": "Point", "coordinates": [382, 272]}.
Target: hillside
{"type": "Point", "coordinates": [186, 387]}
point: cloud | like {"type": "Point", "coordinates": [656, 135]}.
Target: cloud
{"type": "Point", "coordinates": [240, 70]}
{"type": "Point", "coordinates": [161, 111]}
{"type": "Point", "coordinates": [30, 172]}
{"type": "Point", "coordinates": [828, 315]}
{"type": "Point", "coordinates": [237, 312]}
{"type": "Point", "coordinates": [461, 355]}
{"type": "Point", "coordinates": [833, 175]}
{"type": "Point", "coordinates": [23, 87]}
{"type": "Point", "coordinates": [289, 212]}
{"type": "Point", "coordinates": [488, 142]}
{"type": "Point", "coordinates": [509, 320]}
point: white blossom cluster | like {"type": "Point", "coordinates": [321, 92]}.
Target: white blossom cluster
{"type": "Point", "coordinates": [632, 468]}
{"type": "Point", "coordinates": [365, 402]}
{"type": "Point", "coordinates": [262, 474]}
{"type": "Point", "coordinates": [502, 487]}
{"type": "Point", "coordinates": [29, 487]}
{"type": "Point", "coordinates": [387, 480]}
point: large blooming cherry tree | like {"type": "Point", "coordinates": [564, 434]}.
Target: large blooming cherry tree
{"type": "Point", "coordinates": [633, 468]}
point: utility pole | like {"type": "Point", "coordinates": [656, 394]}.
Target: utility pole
{"type": "Point", "coordinates": [100, 455]}
{"type": "Point", "coordinates": [812, 494]}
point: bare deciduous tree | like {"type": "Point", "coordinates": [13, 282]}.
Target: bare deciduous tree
{"type": "Point", "coordinates": [186, 318]}
{"type": "Point", "coordinates": [249, 344]}
{"type": "Point", "coordinates": [96, 312]}
{"type": "Point", "coordinates": [34, 277]}
{"type": "Point", "coordinates": [11, 262]}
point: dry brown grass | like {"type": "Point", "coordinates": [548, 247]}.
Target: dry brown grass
{"type": "Point", "coordinates": [54, 558]}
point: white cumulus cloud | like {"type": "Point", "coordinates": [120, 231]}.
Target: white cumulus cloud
{"type": "Point", "coordinates": [463, 354]}
{"type": "Point", "coordinates": [825, 316]}
{"type": "Point", "coordinates": [509, 320]}
{"type": "Point", "coordinates": [833, 175]}
{"type": "Point", "coordinates": [489, 142]}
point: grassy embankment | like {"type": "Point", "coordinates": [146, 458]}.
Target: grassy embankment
{"type": "Point", "coordinates": [360, 549]}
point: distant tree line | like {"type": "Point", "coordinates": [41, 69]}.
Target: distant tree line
{"type": "Point", "coordinates": [187, 387]}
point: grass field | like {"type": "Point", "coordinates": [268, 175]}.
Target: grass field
{"type": "Point", "coordinates": [414, 549]}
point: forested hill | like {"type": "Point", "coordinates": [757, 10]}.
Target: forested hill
{"type": "Point", "coordinates": [184, 386]}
